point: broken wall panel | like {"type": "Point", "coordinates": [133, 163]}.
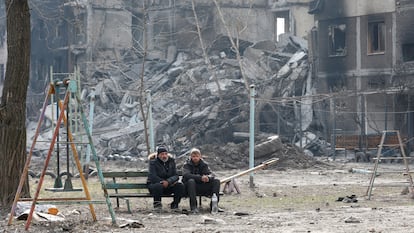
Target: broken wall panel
{"type": "Point", "coordinates": [345, 8]}
{"type": "Point", "coordinates": [111, 29]}
{"type": "Point", "coordinates": [405, 32]}
{"type": "Point", "coordinates": [247, 24]}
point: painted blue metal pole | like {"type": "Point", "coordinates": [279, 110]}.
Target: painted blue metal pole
{"type": "Point", "coordinates": [150, 122]}
{"type": "Point", "coordinates": [251, 133]}
{"type": "Point", "coordinates": [91, 111]}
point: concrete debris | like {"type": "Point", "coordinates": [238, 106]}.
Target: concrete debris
{"type": "Point", "coordinates": [353, 220]}
{"type": "Point", "coordinates": [196, 106]}
{"type": "Point", "coordinates": [208, 220]}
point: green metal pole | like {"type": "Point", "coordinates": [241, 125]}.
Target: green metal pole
{"type": "Point", "coordinates": [150, 122]}
{"type": "Point", "coordinates": [251, 138]}
{"type": "Point", "coordinates": [91, 111]}
{"type": "Point", "coordinates": [95, 158]}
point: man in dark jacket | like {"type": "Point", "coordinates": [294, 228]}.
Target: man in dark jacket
{"type": "Point", "coordinates": [198, 179]}
{"type": "Point", "coordinates": [163, 179]}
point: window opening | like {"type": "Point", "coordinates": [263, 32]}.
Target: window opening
{"type": "Point", "coordinates": [408, 52]}
{"type": "Point", "coordinates": [337, 35]}
{"type": "Point", "coordinates": [280, 27]}
{"type": "Point", "coordinates": [376, 37]}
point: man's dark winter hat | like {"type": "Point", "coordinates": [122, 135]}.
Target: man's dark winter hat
{"type": "Point", "coordinates": [161, 149]}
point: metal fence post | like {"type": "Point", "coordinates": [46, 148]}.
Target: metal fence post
{"type": "Point", "coordinates": [251, 138]}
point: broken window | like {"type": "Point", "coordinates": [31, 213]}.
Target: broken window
{"type": "Point", "coordinates": [376, 37]}
{"type": "Point", "coordinates": [282, 24]}
{"type": "Point", "coordinates": [337, 46]}
{"type": "Point", "coordinates": [408, 52]}
{"type": "Point", "coordinates": [280, 28]}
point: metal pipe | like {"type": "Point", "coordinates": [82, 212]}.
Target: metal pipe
{"type": "Point", "coordinates": [150, 122]}
{"type": "Point", "coordinates": [91, 111]}
{"type": "Point", "coordinates": [251, 139]}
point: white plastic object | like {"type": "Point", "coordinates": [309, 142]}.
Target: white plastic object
{"type": "Point", "coordinates": [214, 204]}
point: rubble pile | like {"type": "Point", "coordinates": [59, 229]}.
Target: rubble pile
{"type": "Point", "coordinates": [196, 105]}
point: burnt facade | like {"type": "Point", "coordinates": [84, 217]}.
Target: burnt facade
{"type": "Point", "coordinates": [95, 35]}
{"type": "Point", "coordinates": [363, 56]}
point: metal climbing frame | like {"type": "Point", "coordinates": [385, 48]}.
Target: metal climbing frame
{"type": "Point", "coordinates": [379, 158]}
{"type": "Point", "coordinates": [70, 88]}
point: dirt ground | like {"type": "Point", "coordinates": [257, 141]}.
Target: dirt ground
{"type": "Point", "coordinates": [283, 200]}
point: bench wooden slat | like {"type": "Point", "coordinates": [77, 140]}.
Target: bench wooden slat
{"type": "Point", "coordinates": [126, 195]}
{"type": "Point", "coordinates": [125, 174]}
{"type": "Point", "coordinates": [111, 185]}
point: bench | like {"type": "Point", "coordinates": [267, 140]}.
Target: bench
{"type": "Point", "coordinates": [372, 141]}
{"type": "Point", "coordinates": [128, 184]}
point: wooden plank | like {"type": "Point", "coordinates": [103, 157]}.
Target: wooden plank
{"type": "Point", "coordinates": [261, 166]}
{"type": "Point", "coordinates": [126, 185]}
{"type": "Point", "coordinates": [86, 202]}
{"type": "Point", "coordinates": [125, 174]}
{"type": "Point", "coordinates": [127, 195]}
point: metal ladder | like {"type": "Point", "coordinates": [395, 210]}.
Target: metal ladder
{"type": "Point", "coordinates": [379, 158]}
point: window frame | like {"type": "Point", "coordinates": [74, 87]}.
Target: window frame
{"type": "Point", "coordinates": [376, 30]}
{"type": "Point", "coordinates": [334, 49]}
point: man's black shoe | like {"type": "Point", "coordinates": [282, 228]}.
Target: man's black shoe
{"type": "Point", "coordinates": [195, 211]}
{"type": "Point", "coordinates": [157, 205]}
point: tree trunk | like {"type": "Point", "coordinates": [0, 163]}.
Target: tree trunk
{"type": "Point", "coordinates": [13, 101]}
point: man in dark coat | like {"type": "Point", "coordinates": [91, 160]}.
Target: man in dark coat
{"type": "Point", "coordinates": [163, 179]}
{"type": "Point", "coordinates": [198, 179]}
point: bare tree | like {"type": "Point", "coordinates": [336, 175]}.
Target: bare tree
{"type": "Point", "coordinates": [203, 48]}
{"type": "Point", "coordinates": [142, 106]}
{"type": "Point", "coordinates": [241, 27]}
{"type": "Point", "coordinates": [13, 100]}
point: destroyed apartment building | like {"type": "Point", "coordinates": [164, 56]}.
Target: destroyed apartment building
{"type": "Point", "coordinates": [362, 55]}
{"type": "Point", "coordinates": [320, 68]}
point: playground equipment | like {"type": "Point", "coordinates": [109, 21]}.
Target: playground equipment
{"type": "Point", "coordinates": [71, 87]}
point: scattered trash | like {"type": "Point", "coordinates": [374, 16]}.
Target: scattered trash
{"type": "Point", "coordinates": [23, 207]}
{"type": "Point", "coordinates": [53, 211]}
{"type": "Point", "coordinates": [40, 217]}
{"type": "Point", "coordinates": [352, 220]}
{"type": "Point", "coordinates": [132, 225]}
{"type": "Point", "coordinates": [362, 171]}
{"type": "Point", "coordinates": [208, 220]}
{"type": "Point", "coordinates": [241, 213]}
{"type": "Point", "coordinates": [405, 191]}
{"type": "Point", "coordinates": [348, 199]}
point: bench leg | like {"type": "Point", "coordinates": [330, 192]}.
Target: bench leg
{"type": "Point", "coordinates": [128, 206]}
{"type": "Point", "coordinates": [200, 201]}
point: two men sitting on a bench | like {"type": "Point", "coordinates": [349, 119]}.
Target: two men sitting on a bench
{"type": "Point", "coordinates": [197, 177]}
